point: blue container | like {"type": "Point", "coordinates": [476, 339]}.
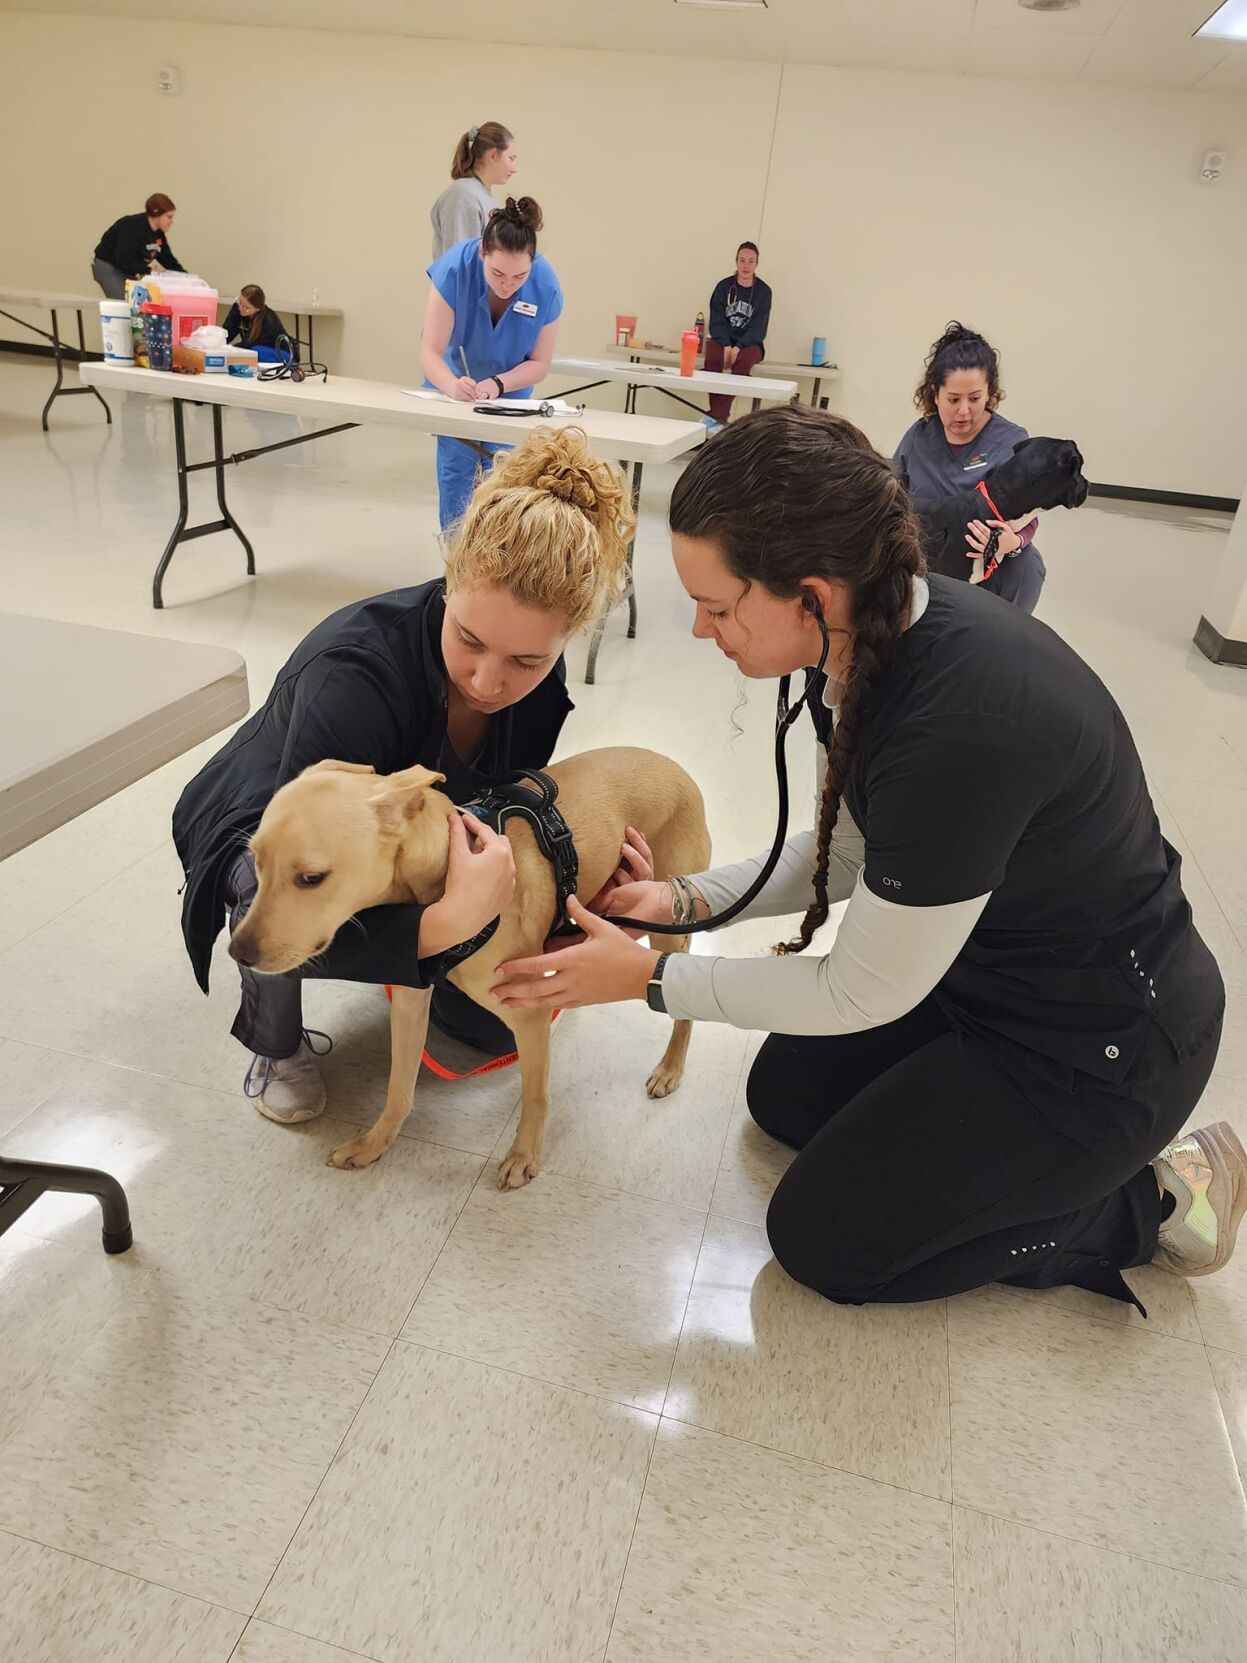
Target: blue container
{"type": "Point", "coordinates": [818, 352]}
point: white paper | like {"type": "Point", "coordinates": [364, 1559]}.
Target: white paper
{"type": "Point", "coordinates": [431, 392]}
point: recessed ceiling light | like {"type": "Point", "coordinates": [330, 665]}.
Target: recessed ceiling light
{"type": "Point", "coordinates": [1228, 22]}
{"type": "Point", "coordinates": [726, 5]}
{"type": "Point", "coordinates": [1049, 5]}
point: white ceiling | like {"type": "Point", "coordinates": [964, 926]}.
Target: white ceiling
{"type": "Point", "coordinates": [1137, 43]}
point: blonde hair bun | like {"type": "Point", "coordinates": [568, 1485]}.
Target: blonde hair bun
{"type": "Point", "coordinates": [550, 523]}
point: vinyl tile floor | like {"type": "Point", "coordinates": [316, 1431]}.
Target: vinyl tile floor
{"type": "Point", "coordinates": [371, 1417]}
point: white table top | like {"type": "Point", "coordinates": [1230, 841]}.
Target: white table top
{"type": "Point", "coordinates": [342, 399]}
{"type": "Point", "coordinates": [100, 709]}
{"type": "Point", "coordinates": [297, 308]}
{"type": "Point", "coordinates": [50, 300]}
{"type": "Point", "coordinates": [659, 375]}
{"type": "Point", "coordinates": [665, 355]}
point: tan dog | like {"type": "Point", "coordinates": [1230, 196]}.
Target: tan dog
{"type": "Point", "coordinates": [369, 840]}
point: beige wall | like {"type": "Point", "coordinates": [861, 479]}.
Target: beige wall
{"type": "Point", "coordinates": [1066, 222]}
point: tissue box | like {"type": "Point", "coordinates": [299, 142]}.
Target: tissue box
{"type": "Point", "coordinates": [234, 360]}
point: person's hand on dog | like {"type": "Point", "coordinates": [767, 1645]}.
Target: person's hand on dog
{"type": "Point", "coordinates": [603, 967]}
{"type": "Point", "coordinates": [636, 862]}
{"type": "Point", "coordinates": [979, 531]}
{"type": "Point", "coordinates": [480, 880]}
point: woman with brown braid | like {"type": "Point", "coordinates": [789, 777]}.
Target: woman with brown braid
{"type": "Point", "coordinates": [983, 1071]}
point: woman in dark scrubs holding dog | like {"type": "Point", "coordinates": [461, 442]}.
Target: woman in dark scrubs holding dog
{"type": "Point", "coordinates": [987, 1073]}
{"type": "Point", "coordinates": [463, 675]}
{"type": "Point", "coordinates": [958, 437]}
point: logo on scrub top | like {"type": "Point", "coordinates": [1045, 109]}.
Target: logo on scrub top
{"type": "Point", "coordinates": [525, 308]}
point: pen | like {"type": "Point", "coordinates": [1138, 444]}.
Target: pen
{"type": "Point", "coordinates": [463, 359]}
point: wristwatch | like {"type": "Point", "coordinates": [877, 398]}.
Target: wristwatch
{"type": "Point", "coordinates": [497, 381]}
{"type": "Point", "coordinates": [653, 990]}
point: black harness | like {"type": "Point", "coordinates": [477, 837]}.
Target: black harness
{"type": "Point", "coordinates": [531, 795]}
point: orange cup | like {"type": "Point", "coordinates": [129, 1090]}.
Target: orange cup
{"type": "Point", "coordinates": [689, 342]}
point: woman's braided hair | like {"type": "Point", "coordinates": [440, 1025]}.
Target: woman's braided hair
{"type": "Point", "coordinates": [790, 494]}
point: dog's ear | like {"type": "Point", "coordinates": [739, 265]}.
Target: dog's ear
{"type": "Point", "coordinates": [331, 767]}
{"type": "Point", "coordinates": [403, 796]}
{"type": "Point", "coordinates": [1022, 444]}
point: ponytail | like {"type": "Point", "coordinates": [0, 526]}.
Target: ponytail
{"type": "Point", "coordinates": [475, 145]}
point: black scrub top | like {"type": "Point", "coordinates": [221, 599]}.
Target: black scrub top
{"type": "Point", "coordinates": [367, 685]}
{"type": "Point", "coordinates": [993, 761]}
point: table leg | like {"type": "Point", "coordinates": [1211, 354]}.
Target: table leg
{"type": "Point", "coordinates": [180, 532]}
{"type": "Point", "coordinates": [23, 1182]}
{"type": "Point", "coordinates": [311, 337]}
{"type": "Point", "coordinates": [591, 663]}
{"type": "Point", "coordinates": [218, 458]}
{"type": "Point", "coordinates": [60, 390]}
{"type": "Point", "coordinates": [818, 387]}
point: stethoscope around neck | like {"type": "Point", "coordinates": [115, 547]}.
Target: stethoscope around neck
{"type": "Point", "coordinates": [785, 716]}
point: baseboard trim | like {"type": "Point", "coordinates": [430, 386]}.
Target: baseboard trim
{"type": "Point", "coordinates": [36, 349]}
{"type": "Point", "coordinates": [1214, 645]}
{"type": "Point", "coordinates": [1170, 499]}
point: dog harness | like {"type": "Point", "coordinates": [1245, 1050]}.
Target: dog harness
{"type": "Point", "coordinates": [531, 795]}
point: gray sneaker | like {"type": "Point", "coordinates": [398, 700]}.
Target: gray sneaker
{"type": "Point", "coordinates": [286, 1089]}
{"type": "Point", "coordinates": [1206, 1173]}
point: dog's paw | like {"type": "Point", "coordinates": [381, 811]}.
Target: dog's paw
{"type": "Point", "coordinates": [517, 1167]}
{"type": "Point", "coordinates": [359, 1152]}
{"type": "Point", "coordinates": [664, 1080]}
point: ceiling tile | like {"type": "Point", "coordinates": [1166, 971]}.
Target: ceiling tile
{"type": "Point", "coordinates": [1092, 17]}
{"type": "Point", "coordinates": [1127, 60]}
{"type": "Point", "coordinates": [1013, 53]}
{"type": "Point", "coordinates": [1230, 75]}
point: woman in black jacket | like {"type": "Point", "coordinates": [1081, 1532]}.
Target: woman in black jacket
{"type": "Point", "coordinates": [464, 675]}
{"type": "Point", "coordinates": [251, 321]}
{"type": "Point", "coordinates": [740, 312]}
{"type": "Point", "coordinates": [134, 245]}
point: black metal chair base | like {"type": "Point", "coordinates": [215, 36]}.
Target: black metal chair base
{"type": "Point", "coordinates": [23, 1182]}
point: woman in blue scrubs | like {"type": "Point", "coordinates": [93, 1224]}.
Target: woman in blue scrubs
{"type": "Point", "coordinates": [489, 329]}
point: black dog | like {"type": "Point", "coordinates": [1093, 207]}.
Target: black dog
{"type": "Point", "coordinates": [1041, 473]}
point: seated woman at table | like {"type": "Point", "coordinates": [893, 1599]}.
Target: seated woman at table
{"type": "Point", "coordinates": [740, 310]}
{"type": "Point", "coordinates": [490, 325]}
{"type": "Point", "coordinates": [134, 245]}
{"type": "Point", "coordinates": [251, 321]}
{"type": "Point", "coordinates": [464, 675]}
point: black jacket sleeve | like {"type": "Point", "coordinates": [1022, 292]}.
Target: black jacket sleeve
{"type": "Point", "coordinates": [754, 332]}
{"type": "Point", "coordinates": [169, 259]}
{"type": "Point", "coordinates": [718, 325]}
{"type": "Point", "coordinates": [233, 323]}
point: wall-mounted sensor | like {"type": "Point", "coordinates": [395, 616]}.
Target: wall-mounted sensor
{"type": "Point", "coordinates": [1212, 166]}
{"type": "Point", "coordinates": [169, 81]}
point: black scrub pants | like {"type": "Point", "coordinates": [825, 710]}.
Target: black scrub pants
{"type": "Point", "coordinates": [924, 1171]}
{"type": "Point", "coordinates": [270, 1010]}
{"type": "Point", "coordinates": [1019, 579]}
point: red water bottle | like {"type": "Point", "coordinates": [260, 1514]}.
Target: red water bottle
{"type": "Point", "coordinates": [688, 352]}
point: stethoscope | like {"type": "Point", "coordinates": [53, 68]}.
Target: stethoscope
{"type": "Point", "coordinates": [784, 719]}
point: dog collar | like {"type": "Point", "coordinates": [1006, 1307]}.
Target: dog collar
{"type": "Point", "coordinates": [991, 553]}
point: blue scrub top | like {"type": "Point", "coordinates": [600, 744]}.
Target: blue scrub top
{"type": "Point", "coordinates": [493, 348]}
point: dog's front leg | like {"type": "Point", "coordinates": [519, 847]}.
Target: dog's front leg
{"type": "Point", "coordinates": [532, 1040]}
{"type": "Point", "coordinates": [409, 1025]}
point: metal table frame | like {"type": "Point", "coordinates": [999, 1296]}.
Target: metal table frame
{"type": "Point", "coordinates": [60, 390]}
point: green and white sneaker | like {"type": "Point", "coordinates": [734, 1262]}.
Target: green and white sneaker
{"type": "Point", "coordinates": [1206, 1173]}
